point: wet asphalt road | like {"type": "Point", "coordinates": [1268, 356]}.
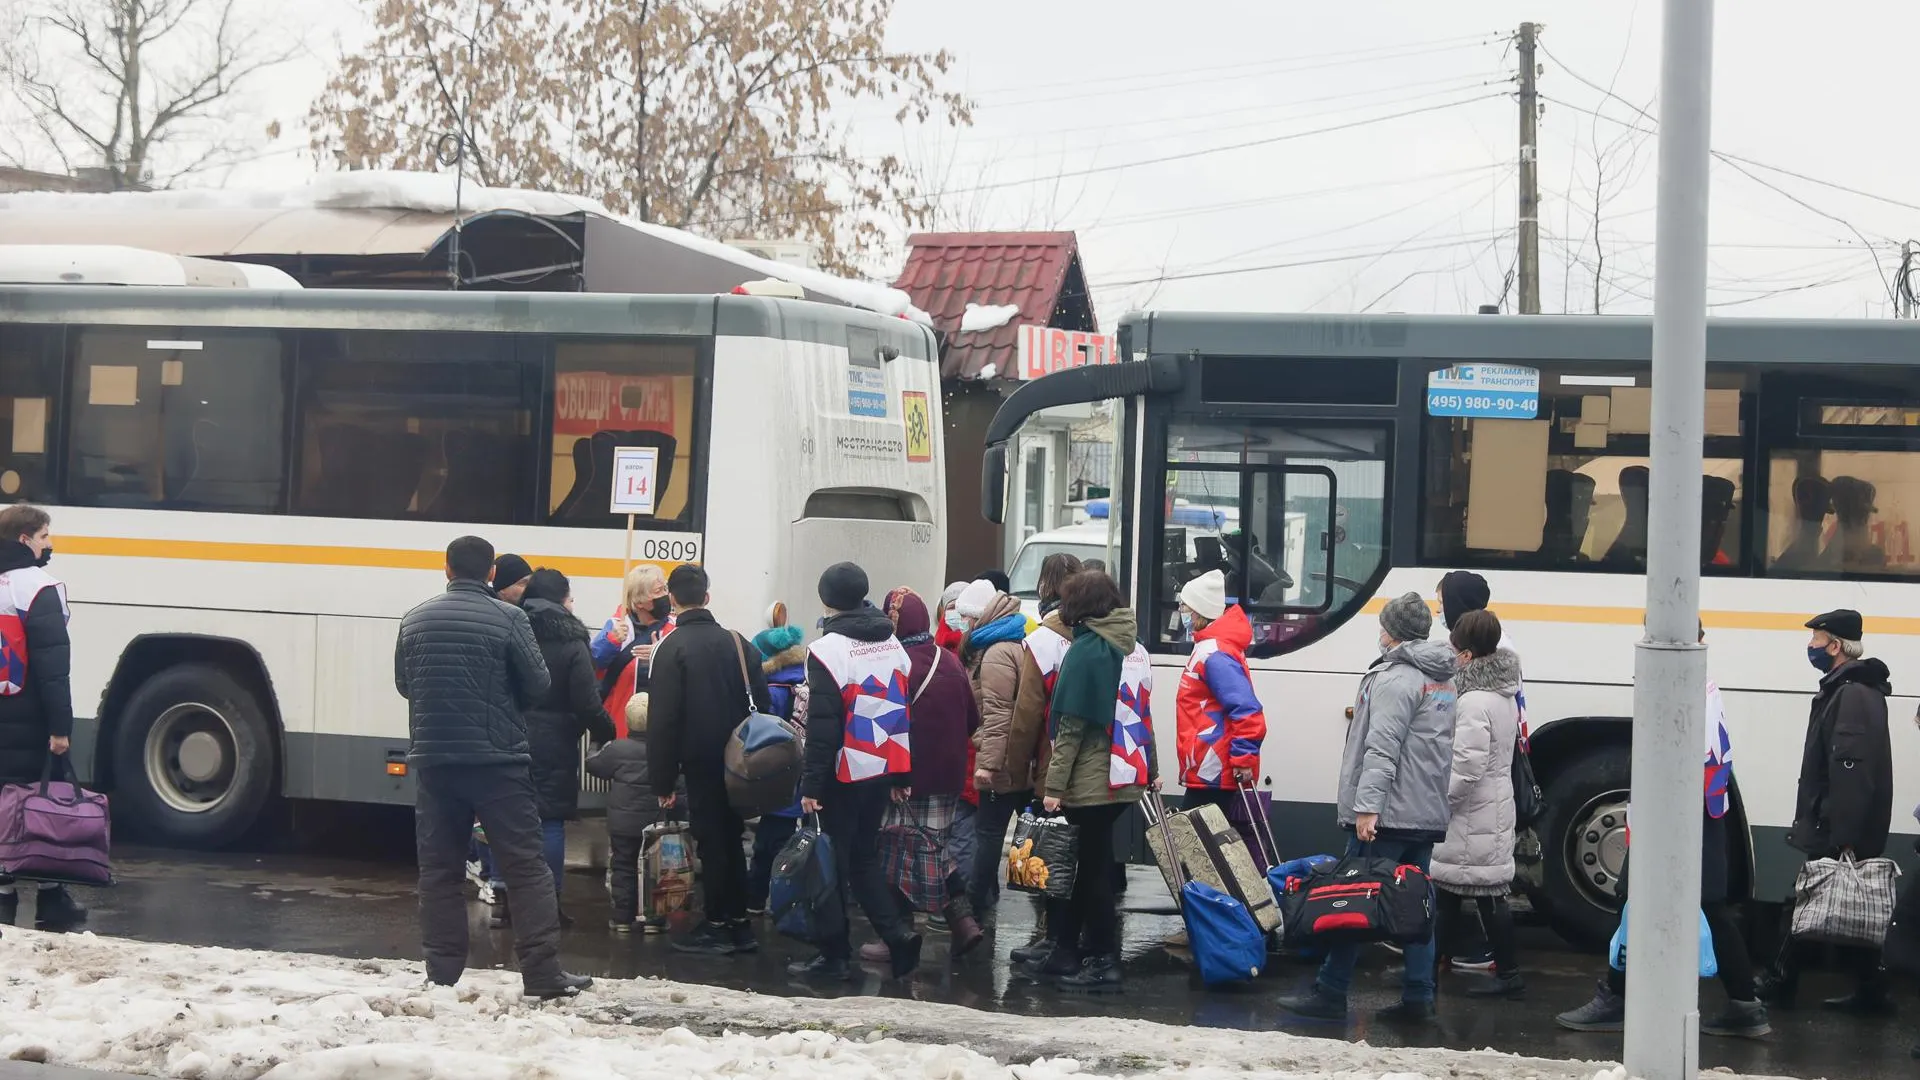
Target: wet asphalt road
{"type": "Point", "coordinates": [364, 907]}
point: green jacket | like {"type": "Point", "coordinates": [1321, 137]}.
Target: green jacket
{"type": "Point", "coordinates": [1079, 770]}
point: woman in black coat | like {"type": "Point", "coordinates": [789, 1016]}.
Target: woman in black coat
{"type": "Point", "coordinates": [571, 709]}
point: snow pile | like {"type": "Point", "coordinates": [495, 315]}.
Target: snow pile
{"type": "Point", "coordinates": [977, 318]}
{"type": "Point", "coordinates": [218, 1014]}
{"type": "Point", "coordinates": [437, 193]}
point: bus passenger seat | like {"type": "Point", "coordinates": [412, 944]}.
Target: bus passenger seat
{"type": "Point", "coordinates": [1630, 547]}
{"type": "Point", "coordinates": [480, 484]}
{"type": "Point", "coordinates": [593, 475]}
{"type": "Point", "coordinates": [1716, 508]}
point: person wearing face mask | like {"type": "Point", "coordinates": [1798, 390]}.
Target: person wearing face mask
{"type": "Point", "coordinates": [1844, 805]}
{"type": "Point", "coordinates": [1221, 722]}
{"type": "Point", "coordinates": [1393, 791]}
{"type": "Point", "coordinates": [949, 626]}
{"type": "Point", "coordinates": [623, 648]}
{"type": "Point", "coordinates": [36, 713]}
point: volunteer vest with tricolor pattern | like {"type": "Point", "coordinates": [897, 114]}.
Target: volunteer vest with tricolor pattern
{"type": "Point", "coordinates": [1132, 723]}
{"type": "Point", "coordinates": [18, 588]}
{"type": "Point", "coordinates": [1048, 648]}
{"type": "Point", "coordinates": [872, 677]}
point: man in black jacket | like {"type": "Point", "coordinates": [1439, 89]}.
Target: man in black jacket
{"type": "Point", "coordinates": [36, 697]}
{"type": "Point", "coordinates": [467, 664]}
{"type": "Point", "coordinates": [701, 682]}
{"type": "Point", "coordinates": [1845, 801]}
{"type": "Point", "coordinates": [856, 760]}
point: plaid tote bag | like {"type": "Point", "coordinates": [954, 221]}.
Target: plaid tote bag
{"type": "Point", "coordinates": [1844, 901]}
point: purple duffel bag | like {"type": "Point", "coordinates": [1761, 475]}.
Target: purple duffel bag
{"type": "Point", "coordinates": [55, 830]}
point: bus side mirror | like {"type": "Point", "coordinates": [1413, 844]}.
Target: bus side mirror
{"type": "Point", "coordinates": [993, 484]}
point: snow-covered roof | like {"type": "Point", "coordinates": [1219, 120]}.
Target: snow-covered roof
{"type": "Point", "coordinates": [109, 264]}
{"type": "Point", "coordinates": [979, 317]}
{"type": "Point", "coordinates": [435, 193]}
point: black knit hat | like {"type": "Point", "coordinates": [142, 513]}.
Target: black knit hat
{"type": "Point", "coordinates": [843, 587]}
{"type": "Point", "coordinates": [510, 570]}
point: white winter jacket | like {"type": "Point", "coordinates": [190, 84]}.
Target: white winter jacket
{"type": "Point", "coordinates": [1477, 858]}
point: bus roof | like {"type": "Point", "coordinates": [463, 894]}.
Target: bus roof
{"type": "Point", "coordinates": [1511, 337]}
{"type": "Point", "coordinates": [499, 312]}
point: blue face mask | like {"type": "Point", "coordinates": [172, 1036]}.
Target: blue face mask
{"type": "Point", "coordinates": [1819, 658]}
{"type": "Point", "coordinates": [1186, 623]}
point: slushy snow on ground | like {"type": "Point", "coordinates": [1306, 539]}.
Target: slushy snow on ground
{"type": "Point", "coordinates": [977, 318]}
{"type": "Point", "coordinates": [220, 1014]}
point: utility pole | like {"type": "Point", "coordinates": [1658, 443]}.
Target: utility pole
{"type": "Point", "coordinates": [1670, 664]}
{"type": "Point", "coordinates": [1529, 172]}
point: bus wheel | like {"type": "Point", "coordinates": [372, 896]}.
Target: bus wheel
{"type": "Point", "coordinates": [193, 758]}
{"type": "Point", "coordinates": [1584, 836]}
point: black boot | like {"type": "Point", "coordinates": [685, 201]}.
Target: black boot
{"type": "Point", "coordinates": [1099, 975]}
{"type": "Point", "coordinates": [906, 955]}
{"type": "Point", "coordinates": [57, 910]}
{"type": "Point", "coordinates": [502, 918]}
{"type": "Point", "coordinates": [9, 908]}
{"type": "Point", "coordinates": [821, 967]}
{"type": "Point", "coordinates": [565, 986]}
{"type": "Point", "coordinates": [1033, 952]}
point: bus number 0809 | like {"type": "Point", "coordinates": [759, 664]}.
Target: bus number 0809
{"type": "Point", "coordinates": [677, 551]}
{"type": "Point", "coordinates": [923, 534]}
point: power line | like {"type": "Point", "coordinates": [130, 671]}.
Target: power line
{"type": "Point", "coordinates": [1477, 238]}
{"type": "Point", "coordinates": [1155, 216]}
{"type": "Point", "coordinates": [1203, 76]}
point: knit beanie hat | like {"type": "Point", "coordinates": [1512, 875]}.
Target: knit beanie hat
{"type": "Point", "coordinates": [1407, 618]}
{"type": "Point", "coordinates": [843, 587]}
{"type": "Point", "coordinates": [772, 643]}
{"type": "Point", "coordinates": [952, 593]}
{"type": "Point", "coordinates": [973, 600]}
{"type": "Point", "coordinates": [1206, 595]}
{"type": "Point", "coordinates": [510, 570]}
{"type": "Point", "coordinates": [1460, 592]}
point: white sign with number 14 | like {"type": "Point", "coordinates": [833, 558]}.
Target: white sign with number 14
{"type": "Point", "coordinates": [634, 471]}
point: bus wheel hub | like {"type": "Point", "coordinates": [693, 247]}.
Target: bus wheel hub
{"type": "Point", "coordinates": [200, 757]}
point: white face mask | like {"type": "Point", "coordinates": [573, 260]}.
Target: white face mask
{"type": "Point", "coordinates": [1385, 644]}
{"type": "Point", "coordinates": [956, 622]}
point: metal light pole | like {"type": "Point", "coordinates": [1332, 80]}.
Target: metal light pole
{"type": "Point", "coordinates": [1670, 666]}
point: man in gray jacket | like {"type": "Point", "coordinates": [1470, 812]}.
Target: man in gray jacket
{"type": "Point", "coordinates": [1393, 790]}
{"type": "Point", "coordinates": [467, 664]}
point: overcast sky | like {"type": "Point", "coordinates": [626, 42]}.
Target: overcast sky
{"type": "Point", "coordinates": [1414, 213]}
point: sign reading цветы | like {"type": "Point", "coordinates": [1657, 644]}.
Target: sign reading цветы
{"type": "Point", "coordinates": [1501, 391]}
{"type": "Point", "coordinates": [634, 471]}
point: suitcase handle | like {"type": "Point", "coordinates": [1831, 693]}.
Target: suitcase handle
{"type": "Point", "coordinates": [1156, 810]}
{"type": "Point", "coordinates": [1262, 829]}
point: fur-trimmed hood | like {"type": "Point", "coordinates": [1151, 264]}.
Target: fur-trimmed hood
{"type": "Point", "coordinates": [551, 622]}
{"type": "Point", "coordinates": [795, 656]}
{"type": "Point", "coordinates": [1499, 671]}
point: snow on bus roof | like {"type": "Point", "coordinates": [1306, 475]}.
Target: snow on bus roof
{"type": "Point", "coordinates": [112, 264]}
{"type": "Point", "coordinates": [435, 193]}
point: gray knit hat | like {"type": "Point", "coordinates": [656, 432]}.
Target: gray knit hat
{"type": "Point", "coordinates": [1407, 618]}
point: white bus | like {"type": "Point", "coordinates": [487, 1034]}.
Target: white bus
{"type": "Point", "coordinates": [250, 487]}
{"type": "Point", "coordinates": [1361, 424]}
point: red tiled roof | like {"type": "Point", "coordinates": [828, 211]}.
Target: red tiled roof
{"type": "Point", "coordinates": [1037, 271]}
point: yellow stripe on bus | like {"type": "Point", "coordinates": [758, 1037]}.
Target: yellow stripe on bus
{"type": "Point", "coordinates": [1632, 616]}
{"type": "Point", "coordinates": [315, 555]}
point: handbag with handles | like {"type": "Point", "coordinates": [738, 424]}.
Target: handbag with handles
{"type": "Point", "coordinates": [1529, 802]}
{"type": "Point", "coordinates": [763, 757]}
{"type": "Point", "coordinates": [55, 830]}
{"type": "Point", "coordinates": [1845, 901]}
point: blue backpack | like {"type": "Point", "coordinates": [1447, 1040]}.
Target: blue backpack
{"type": "Point", "coordinates": [1227, 944]}
{"type": "Point", "coordinates": [804, 897]}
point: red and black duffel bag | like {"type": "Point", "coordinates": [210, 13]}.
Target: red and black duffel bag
{"type": "Point", "coordinates": [1356, 901]}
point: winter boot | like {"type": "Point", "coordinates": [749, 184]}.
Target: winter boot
{"type": "Point", "coordinates": [905, 955]}
{"type": "Point", "coordinates": [708, 939]}
{"type": "Point", "coordinates": [565, 987]}
{"type": "Point", "coordinates": [821, 967]}
{"type": "Point", "coordinates": [967, 936]}
{"type": "Point", "coordinates": [9, 908]}
{"type": "Point", "coordinates": [502, 918]}
{"type": "Point", "coordinates": [1060, 963]}
{"type": "Point", "coordinates": [1099, 975]}
{"type": "Point", "coordinates": [1741, 1020]}
{"type": "Point", "coordinates": [1033, 952]}
{"type": "Point", "coordinates": [743, 937]}
{"type": "Point", "coordinates": [57, 910]}
{"type": "Point", "coordinates": [1606, 1012]}
{"type": "Point", "coordinates": [1316, 1004]}
{"type": "Point", "coordinates": [1407, 1012]}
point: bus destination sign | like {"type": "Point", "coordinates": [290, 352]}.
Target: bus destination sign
{"type": "Point", "coordinates": [1500, 391]}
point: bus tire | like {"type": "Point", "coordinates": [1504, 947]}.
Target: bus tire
{"type": "Point", "coordinates": [193, 758]}
{"type": "Point", "coordinates": [1583, 836]}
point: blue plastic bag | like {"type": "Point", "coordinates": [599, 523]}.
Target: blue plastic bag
{"type": "Point", "coordinates": [804, 894]}
{"type": "Point", "coordinates": [1617, 951]}
{"type": "Point", "coordinates": [1227, 944]}
{"type": "Point", "coordinates": [1277, 877]}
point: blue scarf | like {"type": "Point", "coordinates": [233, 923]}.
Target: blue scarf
{"type": "Point", "coordinates": [1005, 628]}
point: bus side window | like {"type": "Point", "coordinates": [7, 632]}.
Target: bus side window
{"type": "Point", "coordinates": [29, 389]}
{"type": "Point", "coordinates": [177, 419]}
{"type": "Point", "coordinates": [1568, 488]}
{"type": "Point", "coordinates": [609, 394]}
